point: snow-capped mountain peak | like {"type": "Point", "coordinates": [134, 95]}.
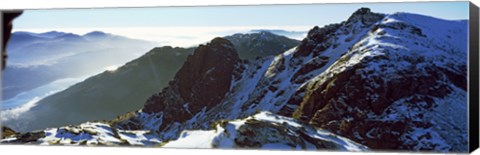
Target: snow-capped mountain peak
{"type": "Point", "coordinates": [395, 85]}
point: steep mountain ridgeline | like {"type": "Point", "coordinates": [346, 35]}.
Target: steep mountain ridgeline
{"type": "Point", "coordinates": [296, 34]}
{"type": "Point", "coordinates": [376, 79]}
{"type": "Point", "coordinates": [320, 39]}
{"type": "Point", "coordinates": [388, 82]}
{"type": "Point", "coordinates": [263, 43]}
{"type": "Point", "coordinates": [274, 84]}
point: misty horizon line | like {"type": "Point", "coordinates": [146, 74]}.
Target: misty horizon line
{"type": "Point", "coordinates": [179, 36]}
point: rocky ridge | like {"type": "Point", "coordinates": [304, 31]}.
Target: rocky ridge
{"type": "Point", "coordinates": [260, 44]}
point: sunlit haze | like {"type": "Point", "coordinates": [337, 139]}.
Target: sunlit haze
{"type": "Point", "coordinates": [187, 26]}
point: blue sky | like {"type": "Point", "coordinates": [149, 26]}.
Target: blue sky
{"type": "Point", "coordinates": [265, 15]}
{"type": "Point", "coordinates": [187, 26]}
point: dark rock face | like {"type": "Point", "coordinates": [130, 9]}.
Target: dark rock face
{"type": "Point", "coordinates": [254, 134]}
{"type": "Point", "coordinates": [365, 16]}
{"type": "Point", "coordinates": [202, 82]}
{"type": "Point", "coordinates": [344, 104]}
{"type": "Point", "coordinates": [205, 77]}
{"type": "Point", "coordinates": [270, 131]}
{"type": "Point", "coordinates": [318, 39]}
{"type": "Point", "coordinates": [261, 44]}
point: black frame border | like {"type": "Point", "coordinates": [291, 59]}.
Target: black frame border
{"type": "Point", "coordinates": [473, 106]}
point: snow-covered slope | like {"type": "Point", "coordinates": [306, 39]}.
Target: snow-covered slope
{"type": "Point", "coordinates": [263, 130]}
{"type": "Point", "coordinates": [90, 133]}
{"type": "Point", "coordinates": [403, 84]}
{"type": "Point", "coordinates": [387, 82]}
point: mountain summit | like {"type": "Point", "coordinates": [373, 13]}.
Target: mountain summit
{"type": "Point", "coordinates": [95, 34]}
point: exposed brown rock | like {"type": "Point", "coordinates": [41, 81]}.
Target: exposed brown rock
{"type": "Point", "coordinates": [202, 82]}
{"type": "Point", "coordinates": [254, 134]}
{"type": "Point", "coordinates": [316, 40]}
{"type": "Point", "coordinates": [205, 77]}
{"type": "Point", "coordinates": [341, 103]}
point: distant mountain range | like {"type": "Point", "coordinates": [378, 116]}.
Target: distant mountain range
{"type": "Point", "coordinates": [290, 34]}
{"type": "Point", "coordinates": [32, 49]}
{"type": "Point", "coordinates": [373, 82]}
{"type": "Point", "coordinates": [37, 59]}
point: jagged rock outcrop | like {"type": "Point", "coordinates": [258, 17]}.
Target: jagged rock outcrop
{"type": "Point", "coordinates": [365, 16]}
{"type": "Point", "coordinates": [206, 75]}
{"type": "Point", "coordinates": [202, 82]}
{"type": "Point", "coordinates": [316, 40]}
{"type": "Point", "coordinates": [261, 44]}
{"type": "Point", "coordinates": [320, 39]}
{"type": "Point", "coordinates": [89, 133]}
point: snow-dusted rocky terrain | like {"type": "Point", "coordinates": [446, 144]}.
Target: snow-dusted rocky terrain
{"type": "Point", "coordinates": [373, 82]}
{"type": "Point", "coordinates": [283, 133]}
